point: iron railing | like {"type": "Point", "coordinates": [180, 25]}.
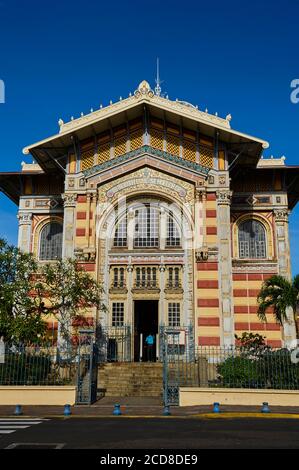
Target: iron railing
{"type": "Point", "coordinates": [255, 368]}
{"type": "Point", "coordinates": [37, 365]}
{"type": "Point", "coordinates": [114, 344]}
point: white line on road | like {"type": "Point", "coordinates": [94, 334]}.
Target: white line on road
{"type": "Point", "coordinates": [13, 427]}
{"type": "Point", "coordinates": [6, 431]}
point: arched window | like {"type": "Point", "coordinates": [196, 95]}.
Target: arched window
{"type": "Point", "coordinates": [50, 247]}
{"type": "Point", "coordinates": [252, 240]}
{"type": "Point", "coordinates": [147, 228]}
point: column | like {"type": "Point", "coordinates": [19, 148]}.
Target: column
{"type": "Point", "coordinates": [25, 229]}
{"type": "Point", "coordinates": [69, 200]}
{"type": "Point", "coordinates": [281, 217]}
{"type": "Point", "coordinates": [225, 267]}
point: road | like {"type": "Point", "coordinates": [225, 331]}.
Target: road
{"type": "Point", "coordinates": [158, 433]}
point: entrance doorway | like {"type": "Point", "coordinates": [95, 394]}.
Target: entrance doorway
{"type": "Point", "coordinates": [145, 323]}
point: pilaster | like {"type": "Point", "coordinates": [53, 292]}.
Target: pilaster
{"type": "Point", "coordinates": [225, 266]}
{"type": "Point", "coordinates": [25, 229]}
{"type": "Point", "coordinates": [69, 203]}
{"type": "Point", "coordinates": [281, 217]}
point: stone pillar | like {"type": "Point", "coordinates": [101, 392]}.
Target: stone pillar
{"type": "Point", "coordinates": [69, 223]}
{"type": "Point", "coordinates": [25, 229]}
{"type": "Point", "coordinates": [225, 267]}
{"type": "Point", "coordinates": [281, 217]}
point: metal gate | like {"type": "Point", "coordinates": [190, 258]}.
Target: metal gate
{"type": "Point", "coordinates": [179, 365]}
{"type": "Point", "coordinates": [87, 373]}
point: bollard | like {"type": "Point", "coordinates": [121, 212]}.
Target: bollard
{"type": "Point", "coordinates": [216, 408]}
{"type": "Point", "coordinates": [67, 410]}
{"type": "Point", "coordinates": [265, 407]}
{"type": "Point", "coordinates": [166, 411]}
{"type": "Point", "coordinates": [116, 411]}
{"type": "Point", "coordinates": [18, 410]}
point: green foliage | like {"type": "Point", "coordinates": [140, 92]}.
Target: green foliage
{"type": "Point", "coordinates": [251, 340]}
{"type": "Point", "coordinates": [69, 291]}
{"type": "Point", "coordinates": [20, 313]}
{"type": "Point", "coordinates": [240, 372]}
{"type": "Point", "coordinates": [279, 294]}
{"type": "Point", "coordinates": [29, 292]}
{"type": "Point", "coordinates": [267, 369]}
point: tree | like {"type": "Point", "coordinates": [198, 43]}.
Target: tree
{"type": "Point", "coordinates": [66, 290]}
{"type": "Point", "coordinates": [21, 317]}
{"type": "Point", "coordinates": [279, 294]}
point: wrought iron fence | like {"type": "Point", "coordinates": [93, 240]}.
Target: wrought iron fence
{"type": "Point", "coordinates": [37, 365]}
{"type": "Point", "coordinates": [114, 343]}
{"type": "Point", "coordinates": [212, 367]}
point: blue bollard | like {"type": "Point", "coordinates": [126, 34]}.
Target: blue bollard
{"type": "Point", "coordinates": [216, 408]}
{"type": "Point", "coordinates": [67, 410]}
{"type": "Point", "coordinates": [18, 410]}
{"type": "Point", "coordinates": [116, 411]}
{"type": "Point", "coordinates": [265, 407]}
{"type": "Point", "coordinates": [166, 411]}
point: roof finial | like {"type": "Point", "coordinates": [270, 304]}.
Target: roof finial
{"type": "Point", "coordinates": [158, 81]}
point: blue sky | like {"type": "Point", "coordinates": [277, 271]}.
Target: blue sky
{"type": "Point", "coordinates": [59, 58]}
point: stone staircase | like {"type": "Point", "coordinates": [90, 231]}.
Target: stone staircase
{"type": "Point", "coordinates": [130, 379]}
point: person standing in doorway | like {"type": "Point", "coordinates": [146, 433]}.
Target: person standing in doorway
{"type": "Point", "coordinates": [150, 341]}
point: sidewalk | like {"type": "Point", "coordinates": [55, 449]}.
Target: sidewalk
{"type": "Point", "coordinates": [149, 407]}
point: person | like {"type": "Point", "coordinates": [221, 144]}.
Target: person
{"type": "Point", "coordinates": [149, 341]}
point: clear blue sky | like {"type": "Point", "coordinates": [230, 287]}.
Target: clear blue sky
{"type": "Point", "coordinates": [59, 58]}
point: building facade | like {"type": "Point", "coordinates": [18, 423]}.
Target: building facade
{"type": "Point", "coordinates": [178, 216]}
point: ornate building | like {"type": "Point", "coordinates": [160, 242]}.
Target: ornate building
{"type": "Point", "coordinates": [177, 214]}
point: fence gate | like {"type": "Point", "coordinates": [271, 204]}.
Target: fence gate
{"type": "Point", "coordinates": [179, 365]}
{"type": "Point", "coordinates": [87, 374]}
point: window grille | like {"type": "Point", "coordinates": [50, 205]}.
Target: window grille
{"type": "Point", "coordinates": [173, 236]}
{"type": "Point", "coordinates": [146, 227]}
{"type": "Point", "coordinates": [120, 237]}
{"type": "Point", "coordinates": [51, 242]}
{"type": "Point", "coordinates": [174, 314]}
{"type": "Point", "coordinates": [146, 277]}
{"type": "Point", "coordinates": [118, 314]}
{"type": "Point", "coordinates": [173, 277]}
{"type": "Point", "coordinates": [252, 240]}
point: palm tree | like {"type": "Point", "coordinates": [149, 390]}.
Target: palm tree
{"type": "Point", "coordinates": [279, 293]}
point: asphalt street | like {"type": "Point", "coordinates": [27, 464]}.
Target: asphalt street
{"type": "Point", "coordinates": [158, 433]}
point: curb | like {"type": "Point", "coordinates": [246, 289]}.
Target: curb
{"type": "Point", "coordinates": [223, 415]}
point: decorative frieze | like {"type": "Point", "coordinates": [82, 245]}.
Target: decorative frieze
{"type": "Point", "coordinates": [85, 255]}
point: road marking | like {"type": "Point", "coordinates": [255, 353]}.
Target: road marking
{"type": "Point", "coordinates": [10, 425]}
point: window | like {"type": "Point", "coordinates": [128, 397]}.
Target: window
{"type": "Point", "coordinates": [146, 227]}
{"type": "Point", "coordinates": [118, 314]}
{"type": "Point", "coordinates": [174, 314]}
{"type": "Point", "coordinates": [252, 240]}
{"type": "Point", "coordinates": [51, 242]}
{"type": "Point", "coordinates": [146, 277]}
{"type": "Point", "coordinates": [173, 236]}
{"type": "Point", "coordinates": [119, 277]}
{"type": "Point", "coordinates": [174, 277]}
{"type": "Point", "coordinates": [120, 237]}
